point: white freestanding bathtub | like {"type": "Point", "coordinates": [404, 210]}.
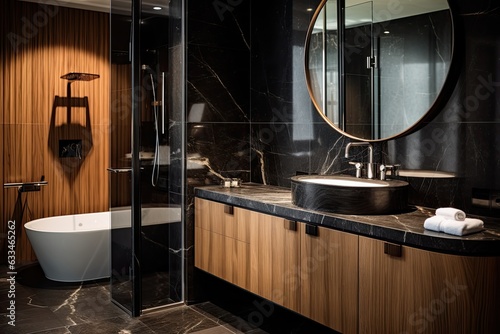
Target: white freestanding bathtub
{"type": "Point", "coordinates": [75, 248]}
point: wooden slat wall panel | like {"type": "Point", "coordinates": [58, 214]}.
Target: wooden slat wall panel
{"type": "Point", "coordinates": [56, 41]}
{"type": "Point", "coordinates": [121, 120]}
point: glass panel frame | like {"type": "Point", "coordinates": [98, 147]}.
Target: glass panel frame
{"type": "Point", "coordinates": [147, 148]}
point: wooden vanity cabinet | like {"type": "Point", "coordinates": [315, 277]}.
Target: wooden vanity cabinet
{"type": "Point", "coordinates": [308, 269]}
{"type": "Point", "coordinates": [409, 290]}
{"type": "Point", "coordinates": [252, 250]}
{"type": "Point", "coordinates": [350, 283]}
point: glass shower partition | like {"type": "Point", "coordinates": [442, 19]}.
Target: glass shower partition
{"type": "Point", "coordinates": [147, 154]}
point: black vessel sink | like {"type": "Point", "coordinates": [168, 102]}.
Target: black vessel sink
{"type": "Point", "coordinates": [349, 195]}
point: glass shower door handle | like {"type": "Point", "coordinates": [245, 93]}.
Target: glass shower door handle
{"type": "Point", "coordinates": [121, 169]}
{"type": "Point", "coordinates": [163, 102]}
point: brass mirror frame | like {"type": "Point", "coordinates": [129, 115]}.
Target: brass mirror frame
{"type": "Point", "coordinates": [442, 97]}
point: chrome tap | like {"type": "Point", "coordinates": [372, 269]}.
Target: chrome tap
{"type": "Point", "coordinates": [370, 170]}
{"type": "Point", "coordinates": [394, 169]}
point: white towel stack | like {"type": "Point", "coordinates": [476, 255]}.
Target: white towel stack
{"type": "Point", "coordinates": [451, 213]}
{"type": "Point", "coordinates": [453, 221]}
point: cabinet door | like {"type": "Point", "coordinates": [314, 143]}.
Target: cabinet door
{"type": "Point", "coordinates": [221, 246]}
{"type": "Point", "coordinates": [214, 216]}
{"type": "Point", "coordinates": [329, 276]}
{"type": "Point", "coordinates": [275, 259]}
{"type": "Point", "coordinates": [209, 253]}
{"type": "Point", "coordinates": [418, 291]}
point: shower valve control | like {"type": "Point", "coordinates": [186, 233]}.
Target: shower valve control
{"type": "Point", "coordinates": [70, 148]}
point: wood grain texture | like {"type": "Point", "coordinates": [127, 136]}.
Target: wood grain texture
{"type": "Point", "coordinates": [121, 120]}
{"type": "Point", "coordinates": [329, 278]}
{"type": "Point", "coordinates": [219, 248]}
{"type": "Point", "coordinates": [275, 260]}
{"type": "Point", "coordinates": [43, 43]}
{"type": "Point", "coordinates": [345, 281]}
{"type": "Point", "coordinates": [426, 292]}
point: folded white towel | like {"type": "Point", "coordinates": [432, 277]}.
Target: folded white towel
{"type": "Point", "coordinates": [464, 227]}
{"type": "Point", "coordinates": [455, 227]}
{"type": "Point", "coordinates": [434, 223]}
{"type": "Point", "coordinates": [452, 213]}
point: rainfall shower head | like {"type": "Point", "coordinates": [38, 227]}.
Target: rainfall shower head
{"type": "Point", "coordinates": [72, 77]}
{"type": "Point", "coordinates": [76, 76]}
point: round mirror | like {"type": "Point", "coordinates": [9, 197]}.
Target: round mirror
{"type": "Point", "coordinates": [376, 70]}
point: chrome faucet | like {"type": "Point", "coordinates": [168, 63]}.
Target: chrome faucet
{"type": "Point", "coordinates": [370, 169]}
{"type": "Point", "coordinates": [394, 169]}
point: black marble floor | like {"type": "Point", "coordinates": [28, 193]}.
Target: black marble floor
{"type": "Point", "coordinates": [250, 313]}
{"type": "Point", "coordinates": [43, 306]}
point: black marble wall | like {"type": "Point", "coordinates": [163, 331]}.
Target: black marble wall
{"type": "Point", "coordinates": [218, 102]}
{"type": "Point", "coordinates": [463, 139]}
{"type": "Point", "coordinates": [250, 115]}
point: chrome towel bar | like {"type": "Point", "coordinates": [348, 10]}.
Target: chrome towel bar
{"type": "Point", "coordinates": [26, 186]}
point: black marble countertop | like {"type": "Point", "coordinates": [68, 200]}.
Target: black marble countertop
{"type": "Point", "coordinates": [406, 228]}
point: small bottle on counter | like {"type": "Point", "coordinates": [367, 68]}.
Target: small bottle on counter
{"type": "Point", "coordinates": [226, 183]}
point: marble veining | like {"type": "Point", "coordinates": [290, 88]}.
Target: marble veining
{"type": "Point", "coordinates": [333, 154]}
{"type": "Point", "coordinates": [269, 82]}
{"type": "Point", "coordinates": [44, 306]}
{"type": "Point", "coordinates": [406, 228]}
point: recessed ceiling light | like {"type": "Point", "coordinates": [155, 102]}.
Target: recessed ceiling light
{"type": "Point", "coordinates": [387, 32]}
{"type": "Point", "coordinates": [157, 8]}
{"type": "Point", "coordinates": [309, 9]}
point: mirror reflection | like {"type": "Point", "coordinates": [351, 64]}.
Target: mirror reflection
{"type": "Point", "coordinates": [388, 69]}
